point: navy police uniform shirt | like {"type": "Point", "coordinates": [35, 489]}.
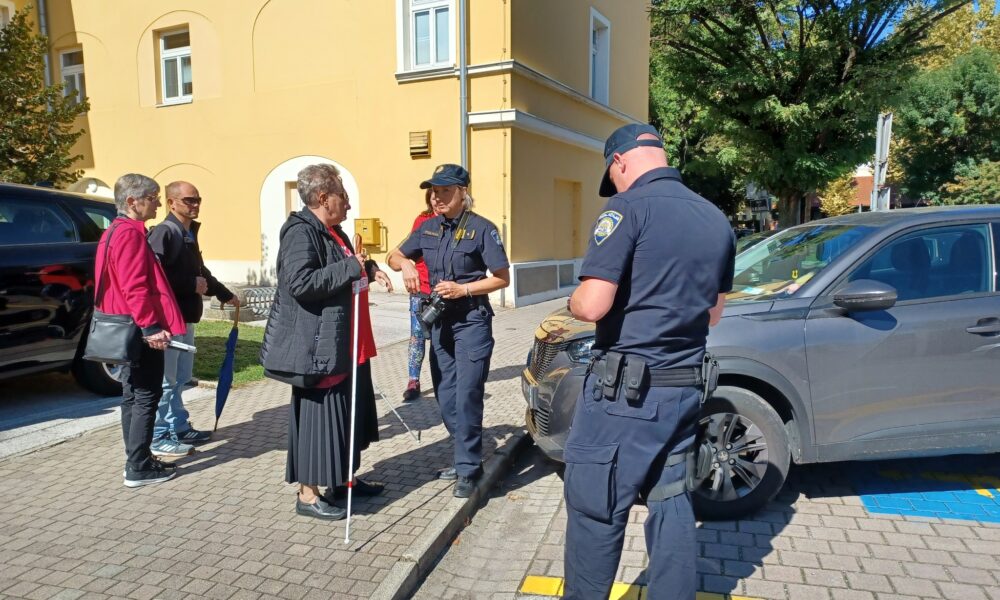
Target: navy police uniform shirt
{"type": "Point", "coordinates": [463, 262]}
{"type": "Point", "coordinates": [672, 253]}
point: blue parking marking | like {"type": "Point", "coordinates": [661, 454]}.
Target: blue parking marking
{"type": "Point", "coordinates": [965, 488]}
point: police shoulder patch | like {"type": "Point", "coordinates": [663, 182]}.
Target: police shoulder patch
{"type": "Point", "coordinates": [606, 225]}
{"type": "Point", "coordinates": [496, 237]}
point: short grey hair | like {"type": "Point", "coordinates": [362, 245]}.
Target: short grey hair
{"type": "Point", "coordinates": [133, 185]}
{"type": "Point", "coordinates": [467, 200]}
{"type": "Point", "coordinates": [316, 179]}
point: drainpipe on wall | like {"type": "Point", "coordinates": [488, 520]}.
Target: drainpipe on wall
{"type": "Point", "coordinates": [43, 26]}
{"type": "Point", "coordinates": [463, 84]}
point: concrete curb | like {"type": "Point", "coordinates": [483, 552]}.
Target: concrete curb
{"type": "Point", "coordinates": [419, 559]}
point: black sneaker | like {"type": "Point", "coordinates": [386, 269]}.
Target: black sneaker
{"type": "Point", "coordinates": [464, 487]}
{"type": "Point", "coordinates": [193, 436]}
{"type": "Point", "coordinates": [361, 488]}
{"type": "Point", "coordinates": [321, 509]}
{"type": "Point", "coordinates": [158, 474]}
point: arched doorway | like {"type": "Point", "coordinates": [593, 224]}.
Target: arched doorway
{"type": "Point", "coordinates": [278, 197]}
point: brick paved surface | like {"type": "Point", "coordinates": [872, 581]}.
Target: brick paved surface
{"type": "Point", "coordinates": [225, 527]}
{"type": "Point", "coordinates": [815, 541]}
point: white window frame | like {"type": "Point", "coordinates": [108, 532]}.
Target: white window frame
{"type": "Point", "coordinates": [11, 9]}
{"type": "Point", "coordinates": [600, 57]}
{"type": "Point", "coordinates": [177, 54]}
{"type": "Point", "coordinates": [74, 71]}
{"type": "Point", "coordinates": [406, 42]}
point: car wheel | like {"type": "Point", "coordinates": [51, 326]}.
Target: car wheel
{"type": "Point", "coordinates": [750, 455]}
{"type": "Point", "coordinates": [100, 378]}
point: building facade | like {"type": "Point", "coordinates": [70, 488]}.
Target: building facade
{"type": "Point", "coordinates": [236, 96]}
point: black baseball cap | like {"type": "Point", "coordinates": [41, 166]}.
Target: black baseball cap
{"type": "Point", "coordinates": [447, 174]}
{"type": "Point", "coordinates": [621, 141]}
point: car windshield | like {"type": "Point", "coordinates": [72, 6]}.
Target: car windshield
{"type": "Point", "coordinates": [779, 266]}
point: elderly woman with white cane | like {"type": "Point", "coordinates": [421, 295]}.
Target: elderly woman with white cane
{"type": "Point", "coordinates": [317, 337]}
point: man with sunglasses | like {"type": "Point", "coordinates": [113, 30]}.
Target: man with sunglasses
{"type": "Point", "coordinates": [175, 242]}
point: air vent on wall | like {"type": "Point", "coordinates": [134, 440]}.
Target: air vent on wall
{"type": "Point", "coordinates": [420, 144]}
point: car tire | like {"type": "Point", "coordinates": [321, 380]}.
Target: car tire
{"type": "Point", "coordinates": [99, 378]}
{"type": "Point", "coordinates": [755, 463]}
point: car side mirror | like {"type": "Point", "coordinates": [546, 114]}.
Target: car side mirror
{"type": "Point", "coordinates": [865, 294]}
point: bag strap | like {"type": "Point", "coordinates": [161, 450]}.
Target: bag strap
{"type": "Point", "coordinates": [100, 279]}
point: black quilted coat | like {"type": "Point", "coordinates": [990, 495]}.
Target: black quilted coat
{"type": "Point", "coordinates": [308, 330]}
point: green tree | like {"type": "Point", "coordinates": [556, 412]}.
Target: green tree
{"type": "Point", "coordinates": [837, 197]}
{"type": "Point", "coordinates": [977, 183]}
{"type": "Point", "coordinates": [949, 119]}
{"type": "Point", "coordinates": [973, 25]}
{"type": "Point", "coordinates": [690, 142]}
{"type": "Point", "coordinates": [793, 86]}
{"type": "Point", "coordinates": [36, 121]}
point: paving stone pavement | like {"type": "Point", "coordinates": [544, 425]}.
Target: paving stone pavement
{"type": "Point", "coordinates": [225, 527]}
{"type": "Point", "coordinates": [815, 541]}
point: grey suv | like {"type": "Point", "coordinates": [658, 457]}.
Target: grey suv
{"type": "Point", "coordinates": [873, 335]}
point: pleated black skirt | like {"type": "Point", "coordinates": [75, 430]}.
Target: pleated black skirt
{"type": "Point", "coordinates": [319, 431]}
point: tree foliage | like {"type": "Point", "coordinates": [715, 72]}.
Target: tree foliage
{"type": "Point", "coordinates": [793, 86]}
{"type": "Point", "coordinates": [973, 25]}
{"type": "Point", "coordinates": [949, 119]}
{"type": "Point", "coordinates": [837, 197]}
{"type": "Point", "coordinates": [978, 183]}
{"type": "Point", "coordinates": [36, 122]}
{"type": "Point", "coordinates": [690, 142]}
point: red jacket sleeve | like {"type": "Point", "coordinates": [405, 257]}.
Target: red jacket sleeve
{"type": "Point", "coordinates": [135, 278]}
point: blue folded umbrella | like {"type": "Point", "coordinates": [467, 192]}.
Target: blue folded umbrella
{"type": "Point", "coordinates": [226, 370]}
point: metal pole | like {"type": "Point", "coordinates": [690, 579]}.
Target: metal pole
{"type": "Point", "coordinates": [43, 27]}
{"type": "Point", "coordinates": [883, 135]}
{"type": "Point", "coordinates": [463, 83]}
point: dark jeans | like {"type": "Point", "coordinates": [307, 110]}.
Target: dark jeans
{"type": "Point", "coordinates": [142, 386]}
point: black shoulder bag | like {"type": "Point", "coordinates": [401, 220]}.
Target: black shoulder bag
{"type": "Point", "coordinates": [113, 339]}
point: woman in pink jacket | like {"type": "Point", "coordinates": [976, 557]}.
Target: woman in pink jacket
{"type": "Point", "coordinates": [134, 284]}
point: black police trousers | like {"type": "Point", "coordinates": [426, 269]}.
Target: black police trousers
{"type": "Point", "coordinates": [461, 346]}
{"type": "Point", "coordinates": [616, 450]}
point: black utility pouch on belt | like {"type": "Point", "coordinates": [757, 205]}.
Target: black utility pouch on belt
{"type": "Point", "coordinates": [709, 376]}
{"type": "Point", "coordinates": [636, 379]}
{"type": "Point", "coordinates": [612, 370]}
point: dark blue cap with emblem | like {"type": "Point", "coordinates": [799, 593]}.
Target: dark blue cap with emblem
{"type": "Point", "coordinates": [621, 141]}
{"type": "Point", "coordinates": [447, 174]}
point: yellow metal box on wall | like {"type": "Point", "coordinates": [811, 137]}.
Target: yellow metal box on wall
{"type": "Point", "coordinates": [370, 231]}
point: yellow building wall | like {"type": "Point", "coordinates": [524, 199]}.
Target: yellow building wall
{"type": "Point", "coordinates": [563, 51]}
{"type": "Point", "coordinates": [554, 198]}
{"type": "Point", "coordinates": [269, 86]}
{"type": "Point", "coordinates": [279, 80]}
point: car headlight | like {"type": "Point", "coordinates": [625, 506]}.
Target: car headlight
{"type": "Point", "coordinates": [579, 351]}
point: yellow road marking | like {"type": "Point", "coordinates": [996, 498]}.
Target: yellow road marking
{"type": "Point", "coordinates": [553, 586]}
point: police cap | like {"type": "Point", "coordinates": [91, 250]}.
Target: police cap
{"type": "Point", "coordinates": [447, 174]}
{"type": "Point", "coordinates": [621, 141]}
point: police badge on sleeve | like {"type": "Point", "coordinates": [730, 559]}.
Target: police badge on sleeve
{"type": "Point", "coordinates": [606, 225]}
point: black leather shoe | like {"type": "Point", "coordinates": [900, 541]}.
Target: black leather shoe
{"type": "Point", "coordinates": [321, 509]}
{"type": "Point", "coordinates": [449, 474]}
{"type": "Point", "coordinates": [361, 488]}
{"type": "Point", "coordinates": [464, 487]}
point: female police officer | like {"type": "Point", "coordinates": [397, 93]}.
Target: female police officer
{"type": "Point", "coordinates": [459, 247]}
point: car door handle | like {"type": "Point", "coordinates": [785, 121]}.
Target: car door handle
{"type": "Point", "coordinates": [985, 327]}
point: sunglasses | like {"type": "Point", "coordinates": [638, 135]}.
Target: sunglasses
{"type": "Point", "coordinates": [191, 200]}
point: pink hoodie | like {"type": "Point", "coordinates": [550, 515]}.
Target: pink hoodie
{"type": "Point", "coordinates": [135, 284]}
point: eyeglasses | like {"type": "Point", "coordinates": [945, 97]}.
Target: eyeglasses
{"type": "Point", "coordinates": [191, 200]}
{"type": "Point", "coordinates": [152, 197]}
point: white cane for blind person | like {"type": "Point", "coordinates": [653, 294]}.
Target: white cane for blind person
{"type": "Point", "coordinates": [356, 291]}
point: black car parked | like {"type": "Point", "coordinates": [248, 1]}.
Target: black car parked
{"type": "Point", "coordinates": [867, 336]}
{"type": "Point", "coordinates": [48, 239]}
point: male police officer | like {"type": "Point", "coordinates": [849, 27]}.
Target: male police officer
{"type": "Point", "coordinates": [653, 279]}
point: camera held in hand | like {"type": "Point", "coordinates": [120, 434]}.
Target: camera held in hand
{"type": "Point", "coordinates": [433, 308]}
